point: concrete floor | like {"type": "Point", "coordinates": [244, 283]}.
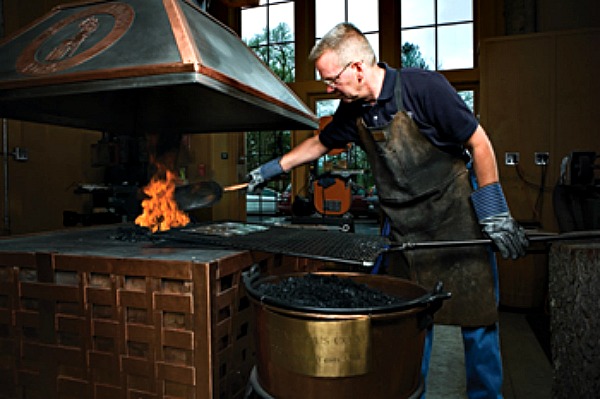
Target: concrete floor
{"type": "Point", "coordinates": [527, 370]}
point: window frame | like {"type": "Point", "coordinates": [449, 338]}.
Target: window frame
{"type": "Point", "coordinates": [269, 44]}
{"type": "Point", "coordinates": [435, 25]}
{"type": "Point", "coordinates": [308, 89]}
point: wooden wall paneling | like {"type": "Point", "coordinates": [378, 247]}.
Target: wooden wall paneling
{"type": "Point", "coordinates": [538, 94]}
{"type": "Point", "coordinates": [228, 151]}
{"type": "Point", "coordinates": [390, 45]}
{"type": "Point", "coordinates": [518, 105]}
{"type": "Point", "coordinates": [304, 17]}
{"type": "Point", "coordinates": [219, 157]}
{"type": "Point", "coordinates": [555, 15]}
{"type": "Point", "coordinates": [577, 87]}
{"type": "Point", "coordinates": [37, 203]}
{"type": "Point", "coordinates": [490, 18]}
{"type": "Point", "coordinates": [201, 168]}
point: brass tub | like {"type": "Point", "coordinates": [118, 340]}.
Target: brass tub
{"type": "Point", "coordinates": [334, 353]}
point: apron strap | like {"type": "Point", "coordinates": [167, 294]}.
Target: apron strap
{"type": "Point", "coordinates": [398, 92]}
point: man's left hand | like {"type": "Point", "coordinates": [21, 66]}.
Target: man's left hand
{"type": "Point", "coordinates": [497, 223]}
{"type": "Point", "coordinates": [506, 234]}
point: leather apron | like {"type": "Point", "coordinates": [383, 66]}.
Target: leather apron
{"type": "Point", "coordinates": [425, 193]}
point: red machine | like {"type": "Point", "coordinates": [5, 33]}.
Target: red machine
{"type": "Point", "coordinates": [332, 191]}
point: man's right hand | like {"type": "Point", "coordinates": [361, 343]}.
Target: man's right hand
{"type": "Point", "coordinates": [259, 176]}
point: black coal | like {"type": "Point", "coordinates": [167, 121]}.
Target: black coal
{"type": "Point", "coordinates": [326, 291]}
{"type": "Point", "coordinates": [133, 234]}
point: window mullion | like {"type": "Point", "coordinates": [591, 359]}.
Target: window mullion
{"type": "Point", "coordinates": [435, 35]}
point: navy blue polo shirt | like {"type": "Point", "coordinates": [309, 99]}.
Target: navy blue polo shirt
{"type": "Point", "coordinates": [439, 112]}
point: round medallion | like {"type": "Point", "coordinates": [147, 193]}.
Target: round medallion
{"type": "Point", "coordinates": [76, 39]}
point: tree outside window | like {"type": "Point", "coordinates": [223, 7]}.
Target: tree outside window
{"type": "Point", "coordinates": [436, 34]}
{"type": "Point", "coordinates": [441, 30]}
{"type": "Point", "coordinates": [364, 14]}
{"type": "Point", "coordinates": [269, 30]}
{"type": "Point", "coordinates": [269, 34]}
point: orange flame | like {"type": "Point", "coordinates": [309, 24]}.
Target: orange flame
{"type": "Point", "coordinates": [160, 209]}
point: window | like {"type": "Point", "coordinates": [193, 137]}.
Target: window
{"type": "Point", "coordinates": [362, 13]}
{"type": "Point", "coordinates": [354, 158]}
{"type": "Point", "coordinates": [437, 34]}
{"type": "Point", "coordinates": [468, 97]}
{"type": "Point", "coordinates": [327, 107]}
{"type": "Point", "coordinates": [269, 30]}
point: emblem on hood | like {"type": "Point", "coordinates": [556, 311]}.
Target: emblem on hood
{"type": "Point", "coordinates": [75, 39]}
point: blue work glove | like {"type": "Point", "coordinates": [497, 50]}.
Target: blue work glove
{"type": "Point", "coordinates": [264, 172]}
{"type": "Point", "coordinates": [497, 223]}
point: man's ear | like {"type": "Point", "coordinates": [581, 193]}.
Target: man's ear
{"type": "Point", "coordinates": [360, 70]}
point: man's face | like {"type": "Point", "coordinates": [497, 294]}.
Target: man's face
{"type": "Point", "coordinates": [340, 79]}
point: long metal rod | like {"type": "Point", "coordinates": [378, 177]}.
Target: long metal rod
{"type": "Point", "coordinates": [5, 157]}
{"type": "Point", "coordinates": [574, 235]}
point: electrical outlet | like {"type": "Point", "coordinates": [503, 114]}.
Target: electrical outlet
{"type": "Point", "coordinates": [20, 154]}
{"type": "Point", "coordinates": [511, 158]}
{"type": "Point", "coordinates": [541, 158]}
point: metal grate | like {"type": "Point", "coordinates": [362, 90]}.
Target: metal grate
{"type": "Point", "coordinates": [328, 245]}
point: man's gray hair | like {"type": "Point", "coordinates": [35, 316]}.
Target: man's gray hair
{"type": "Point", "coordinates": [348, 42]}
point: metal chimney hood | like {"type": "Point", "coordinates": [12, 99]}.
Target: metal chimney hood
{"type": "Point", "coordinates": [133, 66]}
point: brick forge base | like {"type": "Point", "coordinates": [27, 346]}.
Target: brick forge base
{"type": "Point", "coordinates": [83, 316]}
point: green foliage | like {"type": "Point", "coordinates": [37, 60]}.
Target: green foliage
{"type": "Point", "coordinates": [265, 145]}
{"type": "Point", "coordinates": [467, 97]}
{"type": "Point", "coordinates": [412, 57]}
{"type": "Point", "coordinates": [276, 50]}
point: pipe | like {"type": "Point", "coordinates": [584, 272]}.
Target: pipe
{"type": "Point", "coordinates": [5, 154]}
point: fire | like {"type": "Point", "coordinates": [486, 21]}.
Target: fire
{"type": "Point", "coordinates": [160, 209]}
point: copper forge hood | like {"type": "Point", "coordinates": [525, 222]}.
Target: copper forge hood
{"type": "Point", "coordinates": [141, 66]}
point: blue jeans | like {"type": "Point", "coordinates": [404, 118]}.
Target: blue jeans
{"type": "Point", "coordinates": [483, 361]}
